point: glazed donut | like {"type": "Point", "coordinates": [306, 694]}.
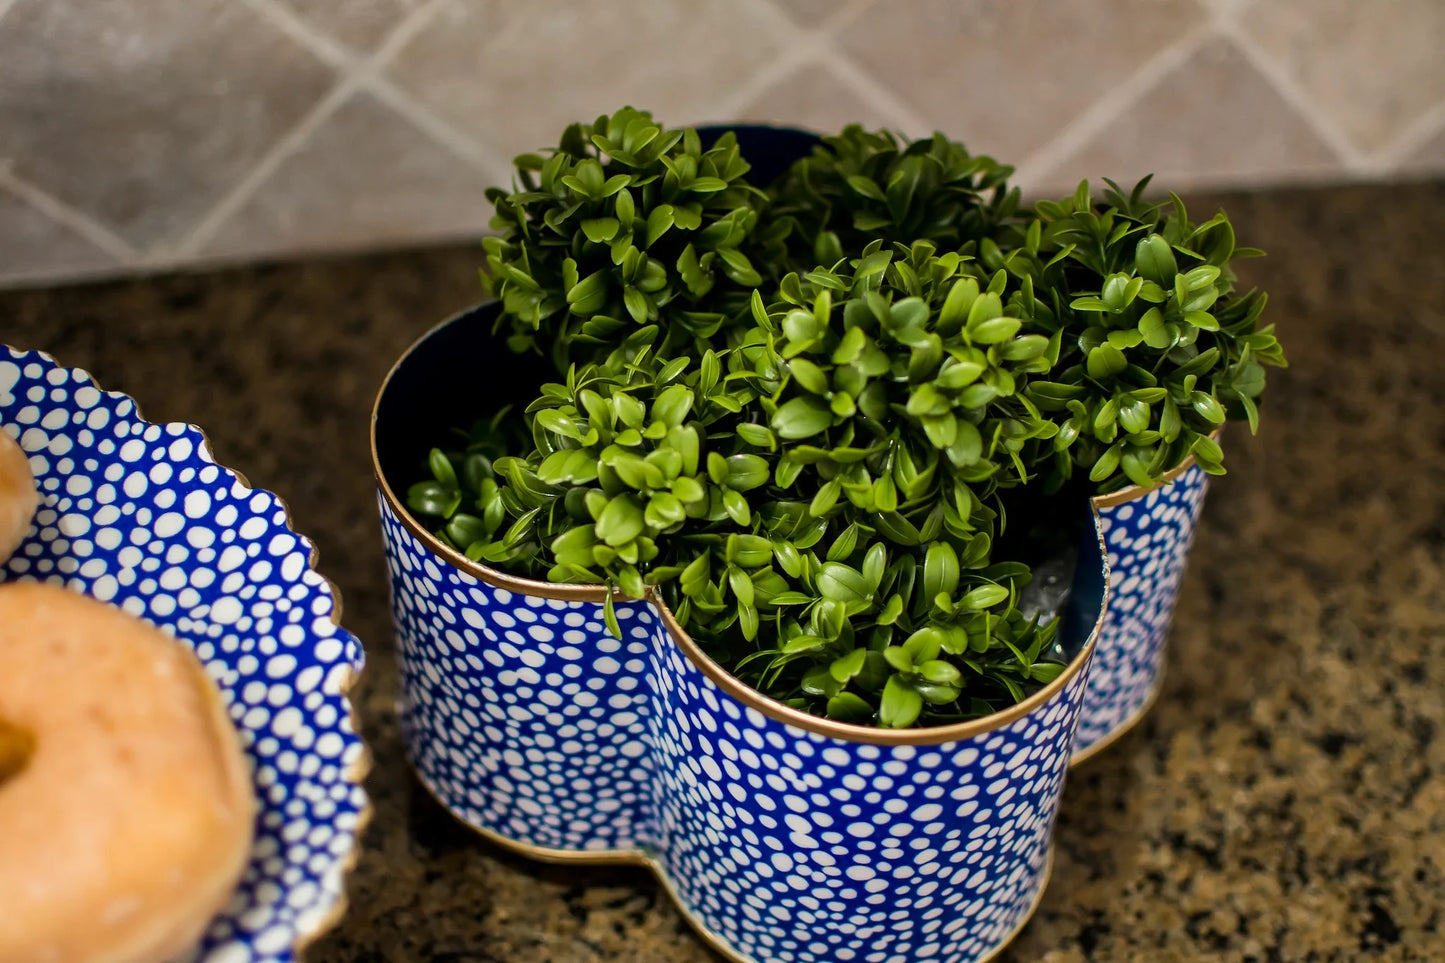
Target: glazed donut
{"type": "Point", "coordinates": [18, 498]}
{"type": "Point", "coordinates": [126, 807]}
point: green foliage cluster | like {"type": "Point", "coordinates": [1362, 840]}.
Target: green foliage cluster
{"type": "Point", "coordinates": [627, 224]}
{"type": "Point", "coordinates": [860, 186]}
{"type": "Point", "coordinates": [1158, 351]}
{"type": "Point", "coordinates": [794, 412]}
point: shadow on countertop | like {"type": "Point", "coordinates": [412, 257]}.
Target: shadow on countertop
{"type": "Point", "coordinates": [1284, 801]}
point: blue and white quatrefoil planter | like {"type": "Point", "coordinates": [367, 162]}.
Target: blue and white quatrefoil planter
{"type": "Point", "coordinates": [139, 515]}
{"type": "Point", "coordinates": [783, 837]}
{"type": "Point", "coordinates": [1148, 534]}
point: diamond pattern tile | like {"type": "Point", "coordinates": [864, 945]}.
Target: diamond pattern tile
{"type": "Point", "coordinates": [144, 115]}
{"type": "Point", "coordinates": [516, 78]}
{"type": "Point", "coordinates": [1005, 76]}
{"type": "Point", "coordinates": [1194, 128]}
{"type": "Point", "coordinates": [366, 178]}
{"type": "Point", "coordinates": [34, 247]}
{"type": "Point", "coordinates": [360, 24]}
{"type": "Point", "coordinates": [1373, 67]}
{"type": "Point", "coordinates": [814, 99]}
{"type": "Point", "coordinates": [810, 13]}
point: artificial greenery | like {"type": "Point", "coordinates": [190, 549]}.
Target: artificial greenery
{"type": "Point", "coordinates": [625, 224]}
{"type": "Point", "coordinates": [798, 414]}
{"type": "Point", "coordinates": [860, 186]}
{"type": "Point", "coordinates": [1157, 350]}
{"type": "Point", "coordinates": [815, 504]}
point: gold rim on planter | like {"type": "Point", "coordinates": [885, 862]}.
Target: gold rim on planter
{"type": "Point", "coordinates": [1124, 728]}
{"type": "Point", "coordinates": [1123, 495]}
{"type": "Point", "coordinates": [1111, 500]}
{"type": "Point", "coordinates": [773, 709]}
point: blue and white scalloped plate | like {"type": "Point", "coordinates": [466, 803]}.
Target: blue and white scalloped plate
{"type": "Point", "coordinates": [139, 515]}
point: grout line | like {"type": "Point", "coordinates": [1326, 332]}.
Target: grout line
{"type": "Point", "coordinates": [868, 88]}
{"type": "Point", "coordinates": [1223, 10]}
{"type": "Point", "coordinates": [480, 154]}
{"type": "Point", "coordinates": [285, 19]}
{"type": "Point", "coordinates": [215, 219]}
{"type": "Point", "coordinates": [845, 16]}
{"type": "Point", "coordinates": [350, 78]}
{"type": "Point", "coordinates": [802, 46]}
{"type": "Point", "coordinates": [62, 213]}
{"type": "Point", "coordinates": [1036, 167]}
{"type": "Point", "coordinates": [1415, 136]}
{"type": "Point", "coordinates": [776, 72]}
{"type": "Point", "coordinates": [477, 151]}
{"type": "Point", "coordinates": [880, 98]}
{"type": "Point", "coordinates": [403, 33]}
{"type": "Point", "coordinates": [843, 13]}
{"type": "Point", "coordinates": [1295, 96]}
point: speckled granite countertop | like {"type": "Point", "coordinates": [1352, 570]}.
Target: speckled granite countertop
{"type": "Point", "coordinates": [1285, 801]}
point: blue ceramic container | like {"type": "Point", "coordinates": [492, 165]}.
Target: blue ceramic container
{"type": "Point", "coordinates": [138, 515]}
{"type": "Point", "coordinates": [783, 837]}
{"type": "Point", "coordinates": [1148, 534]}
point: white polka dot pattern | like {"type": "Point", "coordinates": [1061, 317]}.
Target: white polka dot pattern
{"type": "Point", "coordinates": [528, 720]}
{"type": "Point", "coordinates": [139, 515]}
{"type": "Point", "coordinates": [1148, 540]}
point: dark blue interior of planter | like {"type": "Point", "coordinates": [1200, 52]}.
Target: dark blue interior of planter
{"type": "Point", "coordinates": [457, 373]}
{"type": "Point", "coordinates": [1086, 593]}
{"type": "Point", "coordinates": [770, 150]}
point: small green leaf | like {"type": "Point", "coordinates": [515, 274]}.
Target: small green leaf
{"type": "Point", "coordinates": [621, 521]}
{"type": "Point", "coordinates": [1156, 333]}
{"type": "Point", "coordinates": [1105, 361]}
{"type": "Point", "coordinates": [817, 681]}
{"type": "Point", "coordinates": [1133, 415]}
{"type": "Point", "coordinates": [600, 229]}
{"type": "Point", "coordinates": [609, 615]}
{"type": "Point", "coordinates": [741, 585]}
{"type": "Point", "coordinates": [1106, 464]}
{"type": "Point", "coordinates": [1207, 406]}
{"type": "Point", "coordinates": [940, 569]}
{"type": "Point", "coordinates": [866, 187]}
{"type": "Point", "coordinates": [842, 584]}
{"type": "Point", "coordinates": [1155, 260]}
{"type": "Point", "coordinates": [745, 472]}
{"type": "Point", "coordinates": [940, 673]}
{"type": "Point", "coordinates": [465, 529]}
{"type": "Point", "coordinates": [924, 645]}
{"type": "Point", "coordinates": [1046, 672]}
{"type": "Point", "coordinates": [847, 707]}
{"type": "Point", "coordinates": [432, 498]}
{"type": "Point", "coordinates": [984, 597]}
{"type": "Point", "coordinates": [994, 330]}
{"type": "Point", "coordinates": [809, 376]}
{"type": "Point", "coordinates": [846, 667]}
{"type": "Point", "coordinates": [801, 418]}
{"type": "Point", "coordinates": [659, 222]}
{"type": "Point", "coordinates": [900, 705]}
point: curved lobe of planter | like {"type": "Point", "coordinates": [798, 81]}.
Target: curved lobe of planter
{"type": "Point", "coordinates": [1148, 540]}
{"type": "Point", "coordinates": [532, 724]}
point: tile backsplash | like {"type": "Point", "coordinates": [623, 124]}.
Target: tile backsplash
{"type": "Point", "coordinates": [155, 133]}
